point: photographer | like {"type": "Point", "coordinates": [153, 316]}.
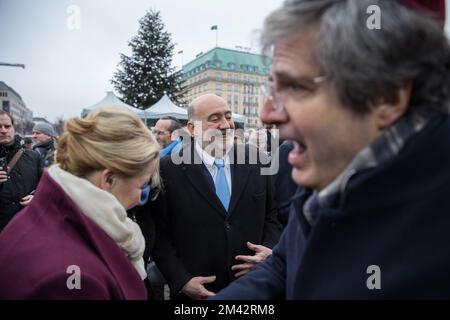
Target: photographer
{"type": "Point", "coordinates": [20, 171]}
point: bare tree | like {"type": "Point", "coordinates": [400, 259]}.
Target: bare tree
{"type": "Point", "coordinates": [59, 125]}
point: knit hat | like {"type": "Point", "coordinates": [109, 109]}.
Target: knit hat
{"type": "Point", "coordinates": [45, 128]}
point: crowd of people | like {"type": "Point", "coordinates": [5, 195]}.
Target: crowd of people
{"type": "Point", "coordinates": [357, 208]}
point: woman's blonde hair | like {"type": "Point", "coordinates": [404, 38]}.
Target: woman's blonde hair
{"type": "Point", "coordinates": [108, 138]}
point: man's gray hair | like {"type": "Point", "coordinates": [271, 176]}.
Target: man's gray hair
{"type": "Point", "coordinates": [366, 66]}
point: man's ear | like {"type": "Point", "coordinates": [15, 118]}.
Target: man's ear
{"type": "Point", "coordinates": [106, 180]}
{"type": "Point", "coordinates": [390, 111]}
{"type": "Point", "coordinates": [190, 127]}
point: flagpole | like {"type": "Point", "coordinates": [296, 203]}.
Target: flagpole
{"type": "Point", "coordinates": [181, 53]}
{"type": "Point", "coordinates": [217, 36]}
{"type": "Point", "coordinates": [215, 27]}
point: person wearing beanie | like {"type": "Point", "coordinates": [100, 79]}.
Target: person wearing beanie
{"type": "Point", "coordinates": [44, 143]}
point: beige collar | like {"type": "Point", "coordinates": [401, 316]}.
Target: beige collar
{"type": "Point", "coordinates": [107, 213]}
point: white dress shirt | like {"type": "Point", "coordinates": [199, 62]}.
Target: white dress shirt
{"type": "Point", "coordinates": [208, 160]}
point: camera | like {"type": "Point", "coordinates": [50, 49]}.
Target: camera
{"type": "Point", "coordinates": [4, 165]}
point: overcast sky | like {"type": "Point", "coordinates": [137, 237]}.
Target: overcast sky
{"type": "Point", "coordinates": [69, 69]}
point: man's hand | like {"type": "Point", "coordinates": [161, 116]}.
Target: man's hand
{"type": "Point", "coordinates": [195, 288]}
{"type": "Point", "coordinates": [3, 176]}
{"type": "Point", "coordinates": [26, 200]}
{"type": "Point", "coordinates": [261, 253]}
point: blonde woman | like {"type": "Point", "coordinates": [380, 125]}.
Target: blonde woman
{"type": "Point", "coordinates": [75, 241]}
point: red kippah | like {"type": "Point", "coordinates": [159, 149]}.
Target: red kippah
{"type": "Point", "coordinates": [433, 7]}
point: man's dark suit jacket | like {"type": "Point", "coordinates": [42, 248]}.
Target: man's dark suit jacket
{"type": "Point", "coordinates": [195, 236]}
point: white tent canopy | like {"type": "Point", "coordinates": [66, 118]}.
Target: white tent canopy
{"type": "Point", "coordinates": [164, 108]}
{"type": "Point", "coordinates": [112, 101]}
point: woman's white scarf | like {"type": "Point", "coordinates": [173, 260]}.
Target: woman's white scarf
{"type": "Point", "coordinates": [106, 211]}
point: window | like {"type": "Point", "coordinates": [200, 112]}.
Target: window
{"type": "Point", "coordinates": [6, 106]}
{"type": "Point", "coordinates": [218, 76]}
{"type": "Point", "coordinates": [218, 87]}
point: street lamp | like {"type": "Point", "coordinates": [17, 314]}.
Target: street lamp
{"type": "Point", "coordinates": [20, 65]}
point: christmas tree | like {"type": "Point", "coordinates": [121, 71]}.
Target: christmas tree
{"type": "Point", "coordinates": [143, 78]}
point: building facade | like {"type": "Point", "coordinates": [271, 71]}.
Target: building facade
{"type": "Point", "coordinates": [235, 75]}
{"type": "Point", "coordinates": [11, 102]}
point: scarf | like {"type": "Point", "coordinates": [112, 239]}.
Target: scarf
{"type": "Point", "coordinates": [387, 146]}
{"type": "Point", "coordinates": [107, 213]}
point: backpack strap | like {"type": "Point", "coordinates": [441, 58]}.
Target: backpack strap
{"type": "Point", "coordinates": [14, 160]}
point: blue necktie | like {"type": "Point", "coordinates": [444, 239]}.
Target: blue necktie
{"type": "Point", "coordinates": [222, 190]}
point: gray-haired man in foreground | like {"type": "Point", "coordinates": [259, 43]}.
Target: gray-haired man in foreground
{"type": "Point", "coordinates": [367, 110]}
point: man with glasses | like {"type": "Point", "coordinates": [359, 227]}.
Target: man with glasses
{"type": "Point", "coordinates": [164, 132]}
{"type": "Point", "coordinates": [368, 111]}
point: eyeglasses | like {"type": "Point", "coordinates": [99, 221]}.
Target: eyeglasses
{"type": "Point", "coordinates": [159, 133]}
{"type": "Point", "coordinates": [145, 192]}
{"type": "Point", "coordinates": [278, 96]}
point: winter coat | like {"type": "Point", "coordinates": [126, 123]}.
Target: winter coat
{"type": "Point", "coordinates": [52, 250]}
{"type": "Point", "coordinates": [46, 151]}
{"type": "Point", "coordinates": [23, 179]}
{"type": "Point", "coordinates": [389, 238]}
